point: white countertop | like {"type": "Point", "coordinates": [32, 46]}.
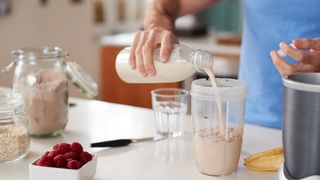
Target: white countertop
{"type": "Point", "coordinates": [162, 160]}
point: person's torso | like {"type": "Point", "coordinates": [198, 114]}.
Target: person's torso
{"type": "Point", "coordinates": [266, 24]}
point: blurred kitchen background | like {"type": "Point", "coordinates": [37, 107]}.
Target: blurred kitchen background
{"type": "Point", "coordinates": [94, 31]}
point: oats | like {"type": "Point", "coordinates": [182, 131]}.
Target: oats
{"type": "Point", "coordinates": [14, 141]}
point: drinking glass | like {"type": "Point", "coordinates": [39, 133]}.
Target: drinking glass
{"type": "Point", "coordinates": [170, 107]}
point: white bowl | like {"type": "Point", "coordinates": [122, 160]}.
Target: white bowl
{"type": "Point", "coordinates": [86, 172]}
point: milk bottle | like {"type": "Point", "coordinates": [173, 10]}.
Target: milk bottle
{"type": "Point", "coordinates": [183, 63]}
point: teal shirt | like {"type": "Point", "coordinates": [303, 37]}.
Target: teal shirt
{"type": "Point", "coordinates": [266, 24]}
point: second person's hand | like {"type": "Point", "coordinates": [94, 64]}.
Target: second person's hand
{"type": "Point", "coordinates": [308, 61]}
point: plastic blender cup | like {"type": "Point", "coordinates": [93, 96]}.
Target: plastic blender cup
{"type": "Point", "coordinates": [217, 143]}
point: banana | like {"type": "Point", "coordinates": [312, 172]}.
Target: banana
{"type": "Point", "coordinates": [269, 160]}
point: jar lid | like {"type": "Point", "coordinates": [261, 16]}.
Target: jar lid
{"type": "Point", "coordinates": [81, 79]}
{"type": "Point", "coordinates": [229, 89]}
{"type": "Point", "coordinates": [11, 104]}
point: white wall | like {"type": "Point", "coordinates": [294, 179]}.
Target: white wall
{"type": "Point", "coordinates": [59, 23]}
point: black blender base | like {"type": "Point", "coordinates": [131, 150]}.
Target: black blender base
{"type": "Point", "coordinates": [287, 174]}
{"type": "Point", "coordinates": [283, 174]}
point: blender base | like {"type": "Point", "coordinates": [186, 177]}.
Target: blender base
{"type": "Point", "coordinates": [281, 175]}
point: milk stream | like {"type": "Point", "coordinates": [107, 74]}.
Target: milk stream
{"type": "Point", "coordinates": [208, 70]}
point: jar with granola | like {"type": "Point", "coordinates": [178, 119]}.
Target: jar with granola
{"type": "Point", "coordinates": [14, 138]}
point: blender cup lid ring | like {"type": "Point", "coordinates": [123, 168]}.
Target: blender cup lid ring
{"type": "Point", "coordinates": [309, 82]}
{"type": "Point", "coordinates": [231, 89]}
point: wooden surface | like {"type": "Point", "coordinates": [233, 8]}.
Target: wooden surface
{"type": "Point", "coordinates": [113, 89]}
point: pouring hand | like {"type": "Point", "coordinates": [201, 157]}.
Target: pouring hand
{"type": "Point", "coordinates": [308, 61]}
{"type": "Point", "coordinates": [158, 30]}
{"type": "Point", "coordinates": [141, 54]}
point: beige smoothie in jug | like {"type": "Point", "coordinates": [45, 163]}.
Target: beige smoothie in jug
{"type": "Point", "coordinates": [215, 154]}
{"type": "Point", "coordinates": [217, 148]}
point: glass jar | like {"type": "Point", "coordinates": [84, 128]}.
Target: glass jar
{"type": "Point", "coordinates": [41, 76]}
{"type": "Point", "coordinates": [14, 138]}
{"type": "Point", "coordinates": [217, 138]}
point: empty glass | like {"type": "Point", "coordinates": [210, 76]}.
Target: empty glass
{"type": "Point", "coordinates": [170, 107]}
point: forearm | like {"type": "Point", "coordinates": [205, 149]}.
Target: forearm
{"type": "Point", "coordinates": [194, 6]}
{"type": "Point", "coordinates": [163, 13]}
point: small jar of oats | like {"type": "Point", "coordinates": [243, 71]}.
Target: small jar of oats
{"type": "Point", "coordinates": [14, 138]}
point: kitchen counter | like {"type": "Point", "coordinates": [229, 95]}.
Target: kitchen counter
{"type": "Point", "coordinates": [91, 121]}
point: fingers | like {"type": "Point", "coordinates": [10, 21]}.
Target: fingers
{"type": "Point", "coordinates": [307, 44]}
{"type": "Point", "coordinates": [145, 42]}
{"type": "Point", "coordinates": [286, 69]}
{"type": "Point", "coordinates": [283, 67]}
{"type": "Point", "coordinates": [138, 53]}
{"type": "Point", "coordinates": [147, 51]}
{"type": "Point", "coordinates": [304, 68]}
{"type": "Point", "coordinates": [312, 57]}
{"type": "Point", "coordinates": [134, 44]}
{"type": "Point", "coordinates": [166, 46]}
{"type": "Point", "coordinates": [296, 54]}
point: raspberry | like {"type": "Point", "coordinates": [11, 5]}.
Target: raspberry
{"type": "Point", "coordinates": [60, 161]}
{"type": "Point", "coordinates": [44, 161]}
{"type": "Point", "coordinates": [65, 155]}
{"type": "Point", "coordinates": [55, 147]}
{"type": "Point", "coordinates": [46, 153]}
{"type": "Point", "coordinates": [63, 148]}
{"type": "Point", "coordinates": [53, 154]}
{"type": "Point", "coordinates": [74, 164]}
{"type": "Point", "coordinates": [85, 157]}
{"type": "Point", "coordinates": [70, 160]}
{"type": "Point", "coordinates": [76, 147]}
{"type": "Point", "coordinates": [71, 155]}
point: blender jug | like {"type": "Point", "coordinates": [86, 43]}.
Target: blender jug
{"type": "Point", "coordinates": [301, 126]}
{"type": "Point", "coordinates": [217, 142]}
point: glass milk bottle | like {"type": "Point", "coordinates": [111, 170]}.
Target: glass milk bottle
{"type": "Point", "coordinates": [183, 63]}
